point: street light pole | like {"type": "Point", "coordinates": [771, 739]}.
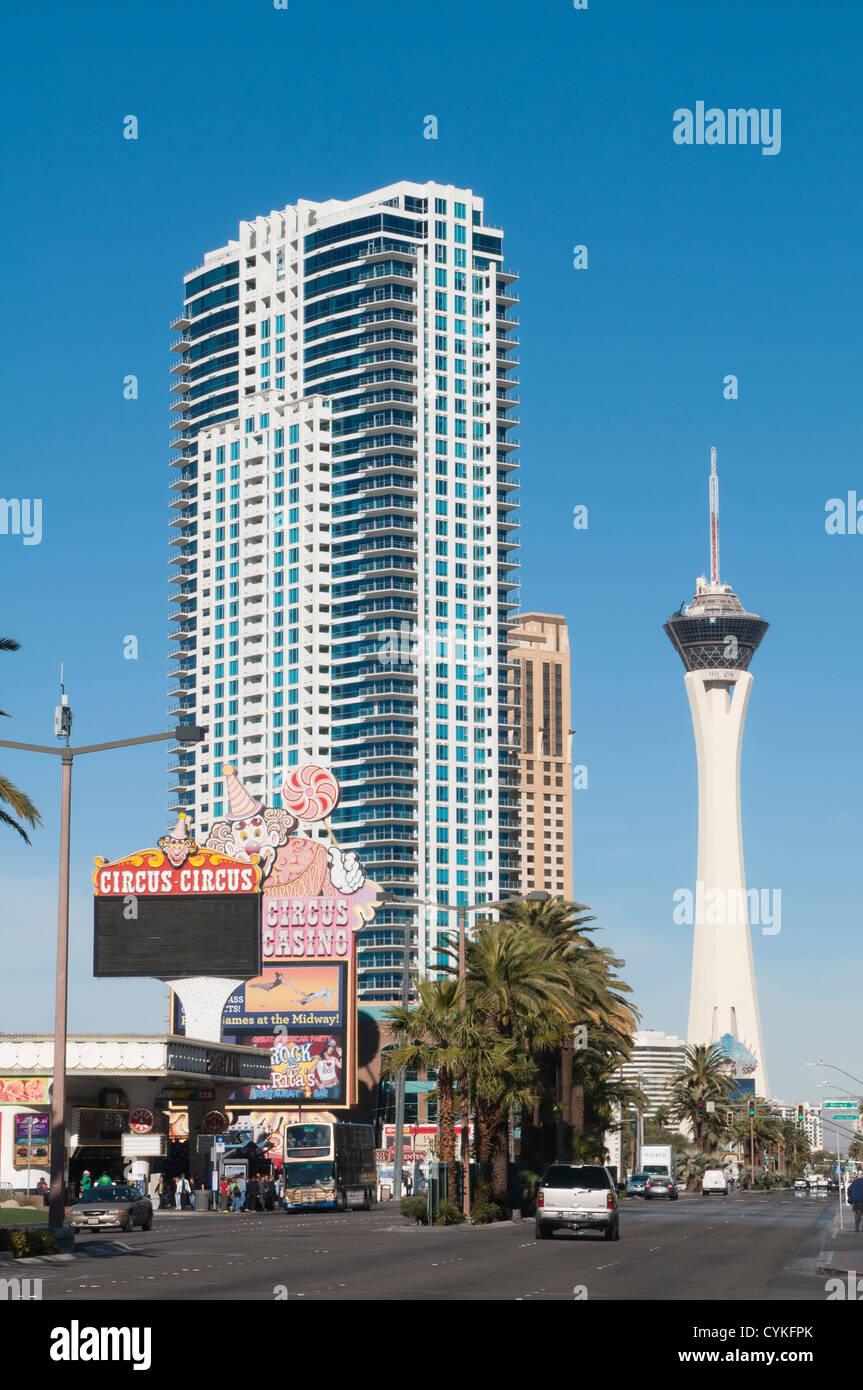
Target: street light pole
{"type": "Point", "coordinates": [56, 1191]}
{"type": "Point", "coordinates": [400, 1093]}
{"type": "Point", "coordinates": [751, 1151]}
{"type": "Point", "coordinates": [183, 733]}
{"type": "Point", "coordinates": [821, 1063]}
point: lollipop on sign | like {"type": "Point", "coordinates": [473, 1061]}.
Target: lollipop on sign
{"type": "Point", "coordinates": [310, 792]}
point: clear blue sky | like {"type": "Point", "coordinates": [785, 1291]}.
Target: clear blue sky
{"type": "Point", "coordinates": [703, 261]}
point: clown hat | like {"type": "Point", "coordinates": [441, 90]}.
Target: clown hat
{"type": "Point", "coordinates": [181, 829]}
{"type": "Point", "coordinates": [241, 804]}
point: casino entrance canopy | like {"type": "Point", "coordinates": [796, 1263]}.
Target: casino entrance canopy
{"type": "Point", "coordinates": [157, 1057]}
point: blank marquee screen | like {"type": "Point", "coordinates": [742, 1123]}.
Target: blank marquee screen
{"type": "Point", "coordinates": [174, 936]}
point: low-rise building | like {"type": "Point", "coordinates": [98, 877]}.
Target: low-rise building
{"type": "Point", "coordinates": [114, 1082]}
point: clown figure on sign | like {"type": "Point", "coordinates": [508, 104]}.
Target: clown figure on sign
{"type": "Point", "coordinates": [297, 866]}
{"type": "Point", "coordinates": [251, 828]}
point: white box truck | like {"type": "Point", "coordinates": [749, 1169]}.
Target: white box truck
{"type": "Point", "coordinates": [657, 1158]}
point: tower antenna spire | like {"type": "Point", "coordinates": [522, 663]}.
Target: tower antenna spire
{"type": "Point", "coordinates": [714, 519]}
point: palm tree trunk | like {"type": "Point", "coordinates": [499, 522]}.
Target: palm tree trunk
{"type": "Point", "coordinates": [500, 1161]}
{"type": "Point", "coordinates": [446, 1127]}
{"type": "Point", "coordinates": [566, 1081]}
{"type": "Point", "coordinates": [578, 1108]}
{"type": "Point", "coordinates": [483, 1138]}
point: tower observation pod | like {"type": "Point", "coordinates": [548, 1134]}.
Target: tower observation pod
{"type": "Point", "coordinates": [716, 639]}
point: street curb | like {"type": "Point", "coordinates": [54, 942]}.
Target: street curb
{"type": "Point", "coordinates": [824, 1264]}
{"type": "Point", "coordinates": [463, 1226]}
{"type": "Point", "coordinates": [8, 1258]}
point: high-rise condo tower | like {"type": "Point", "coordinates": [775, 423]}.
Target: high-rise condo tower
{"type": "Point", "coordinates": [345, 541]}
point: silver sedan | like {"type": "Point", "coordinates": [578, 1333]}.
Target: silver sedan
{"type": "Point", "coordinates": [116, 1207]}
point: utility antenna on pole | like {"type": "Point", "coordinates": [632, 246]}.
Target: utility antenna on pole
{"type": "Point", "coordinates": [62, 713]}
{"type": "Point", "coordinates": [714, 519]}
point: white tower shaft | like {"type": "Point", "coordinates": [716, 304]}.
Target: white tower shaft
{"type": "Point", "coordinates": [723, 998]}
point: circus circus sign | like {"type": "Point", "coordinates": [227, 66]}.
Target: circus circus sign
{"type": "Point", "coordinates": [178, 867]}
{"type": "Point", "coordinates": [149, 873]}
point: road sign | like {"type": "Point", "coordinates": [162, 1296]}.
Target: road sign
{"type": "Point", "coordinates": [841, 1105]}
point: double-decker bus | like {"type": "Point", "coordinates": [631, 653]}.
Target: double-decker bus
{"type": "Point", "coordinates": [329, 1165]}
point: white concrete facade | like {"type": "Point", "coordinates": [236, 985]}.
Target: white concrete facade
{"type": "Point", "coordinates": [723, 998]}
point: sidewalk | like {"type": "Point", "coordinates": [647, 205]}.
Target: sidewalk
{"type": "Point", "coordinates": [845, 1248]}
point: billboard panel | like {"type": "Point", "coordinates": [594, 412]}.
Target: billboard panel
{"type": "Point", "coordinates": [25, 1090]}
{"type": "Point", "coordinates": [306, 997]}
{"type": "Point", "coordinates": [38, 1146]}
{"type": "Point", "coordinates": [176, 911]}
{"type": "Point", "coordinates": [171, 938]}
{"type": "Point", "coordinates": [307, 1068]}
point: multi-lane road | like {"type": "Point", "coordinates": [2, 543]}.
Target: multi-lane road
{"type": "Point", "coordinates": [740, 1247]}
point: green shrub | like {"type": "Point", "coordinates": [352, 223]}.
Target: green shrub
{"type": "Point", "coordinates": [24, 1243]}
{"type": "Point", "coordinates": [416, 1208]}
{"type": "Point", "coordinates": [484, 1213]}
{"type": "Point", "coordinates": [448, 1215]}
{"type": "Point", "coordinates": [42, 1242]}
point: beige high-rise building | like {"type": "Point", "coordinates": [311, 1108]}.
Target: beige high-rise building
{"type": "Point", "coordinates": [542, 716]}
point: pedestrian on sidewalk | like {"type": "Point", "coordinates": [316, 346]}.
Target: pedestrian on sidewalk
{"type": "Point", "coordinates": [236, 1198]}
{"type": "Point", "coordinates": [269, 1194]}
{"type": "Point", "coordinates": [855, 1200]}
{"type": "Point", "coordinates": [224, 1195]}
{"type": "Point", "coordinates": [182, 1193]}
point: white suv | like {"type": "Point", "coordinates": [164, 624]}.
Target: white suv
{"type": "Point", "coordinates": [577, 1196]}
{"type": "Point", "coordinates": [714, 1180]}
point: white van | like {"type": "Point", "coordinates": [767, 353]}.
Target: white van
{"type": "Point", "coordinates": [714, 1180]}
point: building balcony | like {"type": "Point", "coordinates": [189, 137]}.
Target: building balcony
{"type": "Point", "coordinates": [380, 250]}
{"type": "Point", "coordinates": [183, 320]}
{"type": "Point", "coordinates": [180, 344]}
{"type": "Point", "coordinates": [183, 480]}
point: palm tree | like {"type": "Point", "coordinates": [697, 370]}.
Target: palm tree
{"type": "Point", "coordinates": [10, 794]}
{"type": "Point", "coordinates": [517, 995]}
{"type": "Point", "coordinates": [598, 1006]}
{"type": "Point", "coordinates": [432, 1037]}
{"type": "Point", "coordinates": [701, 1080]}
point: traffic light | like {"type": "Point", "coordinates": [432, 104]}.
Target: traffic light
{"type": "Point", "coordinates": [729, 1117]}
{"type": "Point", "coordinates": [801, 1110]}
{"type": "Point", "coordinates": [701, 1109]}
{"type": "Point", "coordinates": [752, 1110]}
